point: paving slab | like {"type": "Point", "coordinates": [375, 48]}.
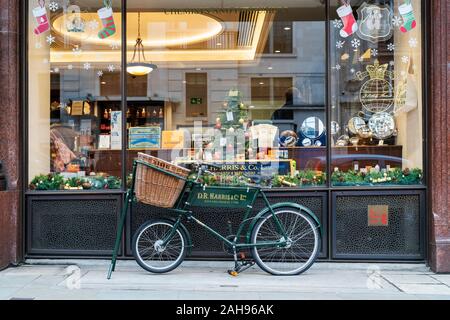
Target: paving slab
{"type": "Point", "coordinates": [423, 288]}
{"type": "Point", "coordinates": [85, 279]}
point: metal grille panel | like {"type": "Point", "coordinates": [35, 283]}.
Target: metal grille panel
{"type": "Point", "coordinates": [353, 236]}
{"type": "Point", "coordinates": [73, 225]}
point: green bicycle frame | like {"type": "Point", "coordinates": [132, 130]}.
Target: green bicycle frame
{"type": "Point", "coordinates": [194, 193]}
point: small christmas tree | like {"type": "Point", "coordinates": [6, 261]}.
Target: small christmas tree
{"type": "Point", "coordinates": [234, 114]}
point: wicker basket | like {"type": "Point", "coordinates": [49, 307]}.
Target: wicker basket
{"type": "Point", "coordinates": [158, 188]}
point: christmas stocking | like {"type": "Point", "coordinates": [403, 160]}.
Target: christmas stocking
{"type": "Point", "coordinates": [109, 28]}
{"type": "Point", "coordinates": [345, 12]}
{"type": "Point", "coordinates": [41, 17]}
{"type": "Point", "coordinates": [409, 22]}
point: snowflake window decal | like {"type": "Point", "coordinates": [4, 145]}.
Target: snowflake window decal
{"type": "Point", "coordinates": [391, 46]}
{"type": "Point", "coordinates": [93, 24]}
{"type": "Point", "coordinates": [70, 67]}
{"type": "Point", "coordinates": [397, 21]}
{"type": "Point", "coordinates": [114, 45]}
{"type": "Point", "coordinates": [111, 68]}
{"type": "Point", "coordinates": [374, 52]}
{"type": "Point", "coordinates": [86, 66]}
{"type": "Point", "coordinates": [337, 23]}
{"type": "Point", "coordinates": [405, 59]}
{"type": "Point", "coordinates": [100, 73]}
{"type": "Point", "coordinates": [413, 42]}
{"type": "Point", "coordinates": [50, 39]}
{"type": "Point", "coordinates": [356, 43]}
{"type": "Point", "coordinates": [340, 44]}
{"type": "Point", "coordinates": [53, 6]}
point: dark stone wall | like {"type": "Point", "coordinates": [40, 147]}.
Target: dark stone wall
{"type": "Point", "coordinates": [439, 137]}
{"type": "Point", "coordinates": [10, 216]}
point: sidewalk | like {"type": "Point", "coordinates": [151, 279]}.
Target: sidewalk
{"type": "Point", "coordinates": [86, 279]}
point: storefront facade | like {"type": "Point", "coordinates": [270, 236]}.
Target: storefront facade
{"type": "Point", "coordinates": [340, 106]}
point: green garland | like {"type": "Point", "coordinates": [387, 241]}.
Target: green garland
{"type": "Point", "coordinates": [395, 176]}
{"type": "Point", "coordinates": [55, 181]}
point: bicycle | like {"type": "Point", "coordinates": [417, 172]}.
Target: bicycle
{"type": "Point", "coordinates": [284, 238]}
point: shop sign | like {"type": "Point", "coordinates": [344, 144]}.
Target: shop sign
{"type": "Point", "coordinates": [237, 168]}
{"type": "Point", "coordinates": [377, 215]}
{"type": "Point", "coordinates": [224, 197]}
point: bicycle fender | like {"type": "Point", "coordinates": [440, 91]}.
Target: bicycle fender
{"type": "Point", "coordinates": [297, 206]}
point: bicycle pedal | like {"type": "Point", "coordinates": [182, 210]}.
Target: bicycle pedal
{"type": "Point", "coordinates": [233, 273]}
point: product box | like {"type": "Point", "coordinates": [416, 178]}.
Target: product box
{"type": "Point", "coordinates": [172, 139]}
{"type": "Point", "coordinates": [144, 137]}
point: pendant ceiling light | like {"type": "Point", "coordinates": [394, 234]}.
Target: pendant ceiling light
{"type": "Point", "coordinates": [138, 66]}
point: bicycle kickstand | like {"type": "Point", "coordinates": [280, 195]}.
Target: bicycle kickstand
{"type": "Point", "coordinates": [240, 266]}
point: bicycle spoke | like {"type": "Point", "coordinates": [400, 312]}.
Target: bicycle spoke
{"type": "Point", "coordinates": [301, 240]}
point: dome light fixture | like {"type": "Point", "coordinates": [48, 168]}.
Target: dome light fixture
{"type": "Point", "coordinates": [138, 66]}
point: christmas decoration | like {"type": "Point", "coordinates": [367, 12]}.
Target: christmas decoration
{"type": "Point", "coordinates": [374, 22]}
{"type": "Point", "coordinates": [396, 21]}
{"type": "Point", "coordinates": [86, 66]}
{"type": "Point", "coordinates": [391, 47]}
{"type": "Point", "coordinates": [376, 94]}
{"type": "Point", "coordinates": [56, 181]}
{"type": "Point", "coordinates": [340, 44]}
{"type": "Point", "coordinates": [111, 68]}
{"type": "Point", "coordinates": [93, 24]}
{"type": "Point", "coordinates": [53, 6]}
{"type": "Point", "coordinates": [337, 23]}
{"type": "Point", "coordinates": [407, 12]}
{"type": "Point", "coordinates": [234, 110]}
{"type": "Point", "coordinates": [413, 42]}
{"type": "Point", "coordinates": [50, 39]}
{"type": "Point", "coordinates": [74, 21]}
{"type": "Point", "coordinates": [356, 43]}
{"type": "Point", "coordinates": [345, 12]}
{"type": "Point", "coordinates": [394, 176]}
{"type": "Point", "coordinates": [40, 13]}
{"type": "Point", "coordinates": [106, 15]}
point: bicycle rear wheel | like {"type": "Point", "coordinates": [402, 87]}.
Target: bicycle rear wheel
{"type": "Point", "coordinates": [302, 246]}
{"type": "Point", "coordinates": [149, 252]}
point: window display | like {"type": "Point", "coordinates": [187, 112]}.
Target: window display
{"type": "Point", "coordinates": [70, 121]}
{"type": "Point", "coordinates": [237, 91]}
{"type": "Point", "coordinates": [375, 94]}
{"type": "Point", "coordinates": [241, 88]}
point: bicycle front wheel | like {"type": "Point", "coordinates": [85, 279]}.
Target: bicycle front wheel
{"type": "Point", "coordinates": [148, 248]}
{"type": "Point", "coordinates": [302, 242]}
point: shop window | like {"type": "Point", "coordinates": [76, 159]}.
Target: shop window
{"type": "Point", "coordinates": [213, 85]}
{"type": "Point", "coordinates": [73, 70]}
{"type": "Point", "coordinates": [376, 93]}
{"type": "Point", "coordinates": [215, 92]}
